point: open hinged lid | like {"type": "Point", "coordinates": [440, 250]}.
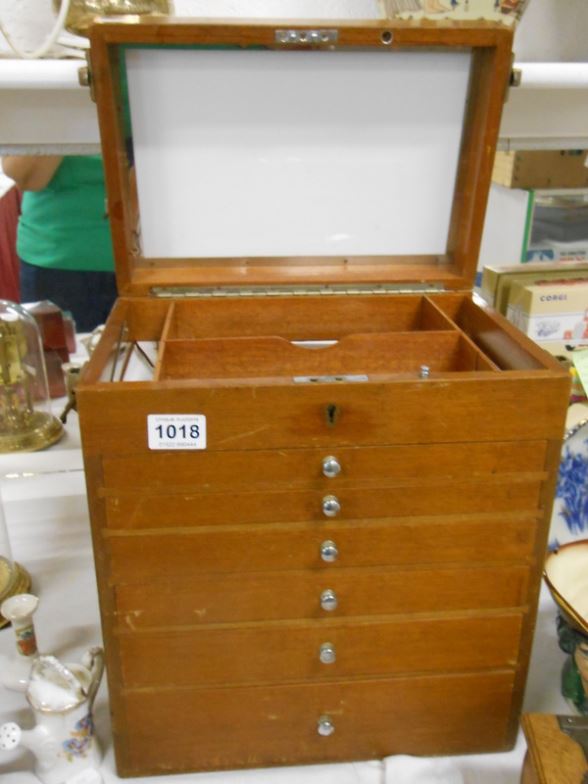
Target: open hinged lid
{"type": "Point", "coordinates": [253, 154]}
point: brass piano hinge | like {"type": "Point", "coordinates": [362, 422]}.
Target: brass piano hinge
{"type": "Point", "coordinates": [187, 292]}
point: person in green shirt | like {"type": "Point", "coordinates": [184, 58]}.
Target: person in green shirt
{"type": "Point", "coordinates": [63, 238]}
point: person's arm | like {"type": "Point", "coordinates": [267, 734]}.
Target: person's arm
{"type": "Point", "coordinates": [31, 172]}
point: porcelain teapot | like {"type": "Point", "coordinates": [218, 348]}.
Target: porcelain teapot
{"type": "Point", "coordinates": [63, 740]}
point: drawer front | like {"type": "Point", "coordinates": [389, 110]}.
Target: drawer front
{"type": "Point", "coordinates": [157, 556]}
{"type": "Point", "coordinates": [490, 407]}
{"type": "Point", "coordinates": [202, 509]}
{"type": "Point", "coordinates": [206, 599]}
{"type": "Point", "coordinates": [304, 467]}
{"type": "Point", "coordinates": [171, 730]}
{"type": "Point", "coordinates": [319, 650]}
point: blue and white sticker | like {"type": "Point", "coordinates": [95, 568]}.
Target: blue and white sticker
{"type": "Point", "coordinates": [176, 431]}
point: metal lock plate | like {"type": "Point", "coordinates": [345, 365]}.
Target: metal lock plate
{"type": "Point", "coordinates": [313, 37]}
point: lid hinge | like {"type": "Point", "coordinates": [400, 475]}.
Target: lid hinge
{"type": "Point", "coordinates": [85, 78]}
{"type": "Point", "coordinates": [515, 79]}
{"type": "Point", "coordinates": [186, 292]}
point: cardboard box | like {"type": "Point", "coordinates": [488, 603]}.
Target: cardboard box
{"type": "Point", "coordinates": [506, 11]}
{"type": "Point", "coordinates": [497, 281]}
{"type": "Point", "coordinates": [551, 310]}
{"type": "Point", "coordinates": [564, 252]}
{"type": "Point", "coordinates": [541, 169]}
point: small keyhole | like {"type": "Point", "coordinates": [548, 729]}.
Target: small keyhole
{"type": "Point", "coordinates": [332, 413]}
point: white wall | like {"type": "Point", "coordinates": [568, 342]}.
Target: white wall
{"type": "Point", "coordinates": [280, 9]}
{"type": "Point", "coordinates": [553, 31]}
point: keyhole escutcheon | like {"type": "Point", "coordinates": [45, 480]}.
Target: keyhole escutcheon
{"type": "Point", "coordinates": [332, 413]}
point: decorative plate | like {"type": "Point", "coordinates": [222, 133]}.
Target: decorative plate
{"type": "Point", "coordinates": [569, 520]}
{"type": "Point", "coordinates": [566, 575]}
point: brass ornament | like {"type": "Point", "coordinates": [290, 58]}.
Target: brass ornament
{"type": "Point", "coordinates": [83, 13]}
{"type": "Point", "coordinates": [14, 579]}
{"type": "Point", "coordinates": [24, 426]}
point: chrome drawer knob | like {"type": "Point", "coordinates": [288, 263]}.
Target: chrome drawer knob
{"type": "Point", "coordinates": [329, 600]}
{"type": "Point", "coordinates": [325, 726]}
{"type": "Point", "coordinates": [329, 551]}
{"type": "Point", "coordinates": [327, 653]}
{"type": "Point", "coordinates": [331, 466]}
{"type": "Point", "coordinates": [331, 506]}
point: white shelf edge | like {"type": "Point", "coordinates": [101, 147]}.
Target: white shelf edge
{"type": "Point", "coordinates": [40, 74]}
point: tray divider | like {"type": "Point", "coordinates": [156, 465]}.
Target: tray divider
{"type": "Point", "coordinates": [502, 340]}
{"type": "Point", "coordinates": [295, 318]}
{"type": "Point", "coordinates": [472, 358]}
{"type": "Point", "coordinates": [434, 319]}
{"type": "Point", "coordinates": [483, 360]}
{"type": "Point", "coordinates": [163, 342]}
{"type": "Point", "coordinates": [268, 356]}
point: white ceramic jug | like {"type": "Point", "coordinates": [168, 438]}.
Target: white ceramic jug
{"type": "Point", "coordinates": [63, 740]}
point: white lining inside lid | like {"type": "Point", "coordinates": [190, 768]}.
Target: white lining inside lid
{"type": "Point", "coordinates": [275, 153]}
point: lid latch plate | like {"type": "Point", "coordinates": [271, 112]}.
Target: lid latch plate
{"type": "Point", "coordinates": [307, 37]}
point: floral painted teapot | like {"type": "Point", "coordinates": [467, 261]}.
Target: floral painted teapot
{"type": "Point", "coordinates": [63, 740]}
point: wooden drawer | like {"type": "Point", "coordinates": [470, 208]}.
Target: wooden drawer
{"type": "Point", "coordinates": [158, 555]}
{"type": "Point", "coordinates": [201, 509]}
{"type": "Point", "coordinates": [205, 599]}
{"type": "Point", "coordinates": [284, 416]}
{"type": "Point", "coordinates": [301, 468]}
{"type": "Point", "coordinates": [170, 730]}
{"type": "Point", "coordinates": [283, 653]}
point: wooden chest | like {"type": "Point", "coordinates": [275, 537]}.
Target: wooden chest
{"type": "Point", "coordinates": [319, 512]}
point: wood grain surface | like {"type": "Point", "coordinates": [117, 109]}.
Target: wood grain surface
{"type": "Point", "coordinates": [202, 599]}
{"type": "Point", "coordinates": [275, 416]}
{"type": "Point", "coordinates": [261, 357]}
{"type": "Point", "coordinates": [242, 727]}
{"type": "Point", "coordinates": [387, 466]}
{"type": "Point", "coordinates": [186, 509]}
{"type": "Point", "coordinates": [158, 554]}
{"type": "Point", "coordinates": [553, 757]}
{"type": "Point", "coordinates": [286, 652]}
